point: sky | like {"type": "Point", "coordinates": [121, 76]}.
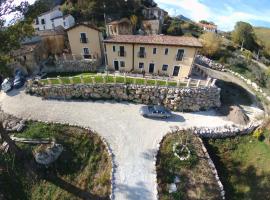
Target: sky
{"type": "Point", "coordinates": [225, 13]}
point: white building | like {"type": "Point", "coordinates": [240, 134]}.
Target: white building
{"type": "Point", "coordinates": [53, 18]}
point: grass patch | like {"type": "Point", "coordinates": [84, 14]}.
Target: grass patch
{"type": "Point", "coordinates": [82, 169]}
{"type": "Point", "coordinates": [243, 165]}
{"type": "Point", "coordinates": [196, 179]}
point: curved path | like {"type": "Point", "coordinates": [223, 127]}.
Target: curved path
{"type": "Point", "coordinates": [133, 139]}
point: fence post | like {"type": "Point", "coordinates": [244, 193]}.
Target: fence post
{"type": "Point", "coordinates": [134, 81]}
{"type": "Point", "coordinates": [93, 79]}
{"type": "Point", "coordinates": [104, 79]}
{"type": "Point", "coordinates": [125, 78]}
{"type": "Point", "coordinates": [167, 82]}
{"type": "Point", "coordinates": [207, 82]}
{"type": "Point", "coordinates": [82, 81]}
{"type": "Point", "coordinates": [213, 82]}
{"type": "Point", "coordinates": [156, 83]}
{"type": "Point", "coordinates": [178, 83]}
{"type": "Point", "coordinates": [59, 80]}
{"type": "Point", "coordinates": [114, 79]}
{"type": "Point", "coordinates": [145, 81]}
{"type": "Point", "coordinates": [70, 80]}
{"type": "Point", "coordinates": [188, 83]}
{"type": "Point", "coordinates": [49, 81]}
{"type": "Point", "coordinates": [198, 83]}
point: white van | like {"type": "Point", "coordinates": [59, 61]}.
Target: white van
{"type": "Point", "coordinates": [6, 85]}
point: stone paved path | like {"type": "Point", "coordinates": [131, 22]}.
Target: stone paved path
{"type": "Point", "coordinates": [133, 139]}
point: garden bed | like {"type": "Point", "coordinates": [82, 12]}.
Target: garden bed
{"type": "Point", "coordinates": [195, 178]}
{"type": "Point", "coordinates": [83, 170]}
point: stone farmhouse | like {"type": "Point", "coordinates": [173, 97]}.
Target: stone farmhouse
{"type": "Point", "coordinates": [85, 42]}
{"type": "Point", "coordinates": [155, 54]}
{"type": "Point", "coordinates": [155, 13]}
{"type": "Point", "coordinates": [120, 27]}
{"type": "Point", "coordinates": [208, 27]}
{"type": "Point", "coordinates": [53, 18]}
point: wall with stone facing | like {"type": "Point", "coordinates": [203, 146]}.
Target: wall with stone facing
{"type": "Point", "coordinates": [176, 99]}
{"type": "Point", "coordinates": [72, 66]}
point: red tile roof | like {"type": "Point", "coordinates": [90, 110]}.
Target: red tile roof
{"type": "Point", "coordinates": [155, 39]}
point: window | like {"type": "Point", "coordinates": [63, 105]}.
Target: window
{"type": "Point", "coordinates": [154, 50]}
{"type": "Point", "coordinates": [180, 54]}
{"type": "Point", "coordinates": [141, 53]}
{"type": "Point", "coordinates": [141, 65]}
{"type": "Point", "coordinates": [166, 51]}
{"type": "Point", "coordinates": [114, 49]}
{"type": "Point", "coordinates": [121, 52]}
{"type": "Point", "coordinates": [86, 51]}
{"type": "Point", "coordinates": [164, 67]}
{"type": "Point", "coordinates": [37, 22]}
{"type": "Point", "coordinates": [83, 39]}
{"type": "Point", "coordinates": [122, 63]}
{"type": "Point", "coordinates": [42, 21]}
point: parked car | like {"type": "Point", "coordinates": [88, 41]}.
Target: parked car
{"type": "Point", "coordinates": [7, 85]}
{"type": "Point", "coordinates": [19, 79]}
{"type": "Point", "coordinates": [155, 112]}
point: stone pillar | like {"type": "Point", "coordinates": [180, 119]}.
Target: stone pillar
{"type": "Point", "coordinates": [82, 80]}
{"type": "Point", "coordinates": [198, 83]}
{"type": "Point", "coordinates": [74, 57]}
{"type": "Point", "coordinates": [178, 83]}
{"type": "Point", "coordinates": [213, 82]}
{"type": "Point", "coordinates": [188, 82]}
{"type": "Point", "coordinates": [93, 79]}
{"type": "Point", "coordinates": [70, 80]}
{"type": "Point", "coordinates": [64, 56]}
{"type": "Point", "coordinates": [59, 80]}
{"type": "Point", "coordinates": [49, 81]}
{"type": "Point", "coordinates": [207, 82]}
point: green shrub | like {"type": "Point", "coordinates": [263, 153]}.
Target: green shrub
{"type": "Point", "coordinates": [258, 134]}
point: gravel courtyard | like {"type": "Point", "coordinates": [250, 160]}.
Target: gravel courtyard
{"type": "Point", "coordinates": [132, 138]}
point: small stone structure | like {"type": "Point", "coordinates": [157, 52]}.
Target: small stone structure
{"type": "Point", "coordinates": [176, 99]}
{"type": "Point", "coordinates": [49, 155]}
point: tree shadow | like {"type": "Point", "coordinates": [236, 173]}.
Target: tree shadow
{"type": "Point", "coordinates": [82, 194]}
{"type": "Point", "coordinates": [150, 154]}
{"type": "Point", "coordinates": [138, 192]}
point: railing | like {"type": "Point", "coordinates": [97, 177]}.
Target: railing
{"type": "Point", "coordinates": [84, 40]}
{"type": "Point", "coordinates": [124, 79]}
{"type": "Point", "coordinates": [141, 54]}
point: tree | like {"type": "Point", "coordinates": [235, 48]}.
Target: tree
{"type": "Point", "coordinates": [40, 6]}
{"type": "Point", "coordinates": [175, 28]}
{"type": "Point", "coordinates": [206, 22]}
{"type": "Point", "coordinates": [243, 34]}
{"type": "Point", "coordinates": [211, 43]}
{"type": "Point", "coordinates": [134, 21]}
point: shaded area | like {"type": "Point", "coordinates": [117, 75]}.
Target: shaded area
{"type": "Point", "coordinates": [138, 192]}
{"type": "Point", "coordinates": [243, 166]}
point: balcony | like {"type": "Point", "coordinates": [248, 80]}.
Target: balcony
{"type": "Point", "coordinates": [122, 54]}
{"type": "Point", "coordinates": [84, 40]}
{"type": "Point", "coordinates": [141, 54]}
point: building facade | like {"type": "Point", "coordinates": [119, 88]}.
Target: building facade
{"type": "Point", "coordinates": [121, 27]}
{"type": "Point", "coordinates": [209, 27]}
{"type": "Point", "coordinates": [155, 13]}
{"type": "Point", "coordinates": [52, 19]}
{"type": "Point", "coordinates": [159, 55]}
{"type": "Point", "coordinates": [85, 42]}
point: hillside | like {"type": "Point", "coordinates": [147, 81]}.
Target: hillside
{"type": "Point", "coordinates": [263, 34]}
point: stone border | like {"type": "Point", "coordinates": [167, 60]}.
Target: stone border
{"type": "Point", "coordinates": [106, 144]}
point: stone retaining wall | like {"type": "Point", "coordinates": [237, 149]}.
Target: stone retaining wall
{"type": "Point", "coordinates": [176, 99]}
{"type": "Point", "coordinates": [206, 62]}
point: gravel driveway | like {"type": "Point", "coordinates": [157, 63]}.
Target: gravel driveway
{"type": "Point", "coordinates": [132, 138]}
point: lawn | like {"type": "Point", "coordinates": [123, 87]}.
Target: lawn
{"type": "Point", "coordinates": [196, 179]}
{"type": "Point", "coordinates": [89, 78]}
{"type": "Point", "coordinates": [82, 170]}
{"type": "Point", "coordinates": [243, 165]}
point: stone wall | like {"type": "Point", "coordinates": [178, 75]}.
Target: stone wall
{"type": "Point", "coordinates": [72, 66]}
{"type": "Point", "coordinates": [176, 99]}
{"type": "Point", "coordinates": [206, 62]}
